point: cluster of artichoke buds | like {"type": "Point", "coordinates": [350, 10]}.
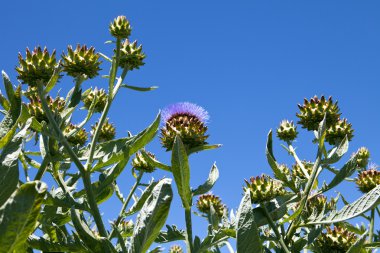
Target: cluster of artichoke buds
{"type": "Point", "coordinates": [205, 202]}
{"type": "Point", "coordinates": [319, 204]}
{"type": "Point", "coordinates": [264, 188]}
{"type": "Point", "coordinates": [368, 179]}
{"type": "Point", "coordinates": [312, 113]}
{"type": "Point", "coordinates": [139, 163]}
{"type": "Point", "coordinates": [336, 240]}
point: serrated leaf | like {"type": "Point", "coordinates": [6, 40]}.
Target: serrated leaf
{"type": "Point", "coordinates": [18, 216]}
{"type": "Point", "coordinates": [248, 236]}
{"type": "Point", "coordinates": [211, 180]}
{"type": "Point", "coordinates": [181, 171]}
{"type": "Point", "coordinates": [45, 245]}
{"type": "Point", "coordinates": [170, 235]}
{"type": "Point", "coordinates": [152, 216]}
{"type": "Point", "coordinates": [358, 207]}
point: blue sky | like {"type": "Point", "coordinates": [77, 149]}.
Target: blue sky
{"type": "Point", "coordinates": [247, 62]}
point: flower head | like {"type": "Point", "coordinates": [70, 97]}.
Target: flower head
{"type": "Point", "coordinates": [126, 228]}
{"type": "Point", "coordinates": [264, 188]}
{"type": "Point", "coordinates": [186, 120]}
{"type": "Point", "coordinates": [75, 136]}
{"type": "Point", "coordinates": [287, 131]}
{"type": "Point", "coordinates": [120, 28]}
{"type": "Point", "coordinates": [38, 66]}
{"type": "Point", "coordinates": [107, 131]}
{"type": "Point", "coordinates": [139, 163]}
{"type": "Point", "coordinates": [131, 56]}
{"type": "Point", "coordinates": [362, 157]}
{"type": "Point", "coordinates": [101, 99]}
{"type": "Point", "coordinates": [205, 202]}
{"type": "Point", "coordinates": [81, 61]}
{"type": "Point", "coordinates": [57, 105]}
{"type": "Point", "coordinates": [336, 240]}
{"type": "Point", "coordinates": [368, 179]}
{"type": "Point", "coordinates": [176, 249]}
{"type": "Point", "coordinates": [336, 133]}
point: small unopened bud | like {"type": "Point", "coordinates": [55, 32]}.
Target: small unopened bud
{"type": "Point", "coordinates": [131, 56]}
{"type": "Point", "coordinates": [297, 171]}
{"type": "Point", "coordinates": [287, 131]}
{"type": "Point", "coordinates": [139, 163]}
{"type": "Point", "coordinates": [362, 157]}
{"type": "Point", "coordinates": [120, 28]}
{"type": "Point", "coordinates": [336, 133]}
{"type": "Point", "coordinates": [175, 249]}
{"type": "Point", "coordinates": [78, 138]}
{"type": "Point", "coordinates": [101, 99]}
{"type": "Point", "coordinates": [337, 240]}
{"type": "Point", "coordinates": [368, 179]}
{"type": "Point", "coordinates": [126, 228]}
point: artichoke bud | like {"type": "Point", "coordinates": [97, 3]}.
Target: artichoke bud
{"type": "Point", "coordinates": [319, 203]}
{"type": "Point", "coordinates": [120, 28]}
{"type": "Point", "coordinates": [336, 133]}
{"type": "Point", "coordinates": [297, 171]}
{"type": "Point", "coordinates": [107, 131]}
{"type": "Point", "coordinates": [139, 163]}
{"type": "Point", "coordinates": [312, 112]}
{"type": "Point", "coordinates": [126, 228]}
{"type": "Point", "coordinates": [205, 202]}
{"type": "Point", "coordinates": [37, 67]}
{"type": "Point", "coordinates": [131, 56]}
{"type": "Point", "coordinates": [82, 62]}
{"type": "Point", "coordinates": [101, 99]}
{"type": "Point", "coordinates": [362, 157]}
{"type": "Point", "coordinates": [368, 179]}
{"type": "Point", "coordinates": [78, 137]}
{"type": "Point", "coordinates": [264, 188]}
{"type": "Point", "coordinates": [35, 109]}
{"type": "Point", "coordinates": [287, 131]}
{"type": "Point", "coordinates": [336, 240]}
{"type": "Point", "coordinates": [175, 249]}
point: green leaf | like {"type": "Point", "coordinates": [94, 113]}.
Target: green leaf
{"type": "Point", "coordinates": [322, 132]}
{"type": "Point", "coordinates": [358, 245]}
{"type": "Point", "coordinates": [181, 171]}
{"type": "Point", "coordinates": [337, 152]}
{"type": "Point", "coordinates": [276, 208]}
{"type": "Point", "coordinates": [248, 236]}
{"type": "Point", "coordinates": [9, 171]}
{"type": "Point", "coordinates": [45, 245]}
{"type": "Point", "coordinates": [204, 147]}
{"type": "Point", "coordinates": [360, 206]}
{"type": "Point", "coordinates": [18, 216]}
{"type": "Point", "coordinates": [4, 102]}
{"type": "Point", "coordinates": [53, 79]}
{"type": "Point", "coordinates": [211, 180]}
{"type": "Point", "coordinates": [152, 216]}
{"type": "Point", "coordinates": [141, 201]}
{"type": "Point", "coordinates": [153, 162]}
{"type": "Point", "coordinates": [347, 170]}
{"type": "Point", "coordinates": [139, 88]}
{"type": "Point", "coordinates": [170, 235]}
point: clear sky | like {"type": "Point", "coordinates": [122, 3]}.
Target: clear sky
{"type": "Point", "coordinates": [247, 62]}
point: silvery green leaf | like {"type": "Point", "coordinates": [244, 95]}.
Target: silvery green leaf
{"type": "Point", "coordinates": [211, 180]}
{"type": "Point", "coordinates": [204, 147]}
{"type": "Point", "coordinates": [139, 88]}
{"type": "Point", "coordinates": [171, 234]}
{"type": "Point", "coordinates": [248, 237]}
{"type": "Point", "coordinates": [18, 216]}
{"type": "Point", "coordinates": [358, 207]}
{"type": "Point", "coordinates": [181, 171]}
{"type": "Point", "coordinates": [152, 217]}
{"type": "Point", "coordinates": [322, 132]}
{"type": "Point", "coordinates": [139, 203]}
{"type": "Point", "coordinates": [347, 170]}
{"type": "Point", "coordinates": [337, 152]}
{"type": "Point", "coordinates": [154, 162]}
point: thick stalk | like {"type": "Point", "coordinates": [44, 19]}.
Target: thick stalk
{"type": "Point", "coordinates": [42, 168]}
{"type": "Point", "coordinates": [103, 117]}
{"type": "Point", "coordinates": [189, 231]}
{"type": "Point", "coordinates": [274, 228]}
{"type": "Point", "coordinates": [125, 204]}
{"type": "Point", "coordinates": [85, 176]}
{"type": "Point", "coordinates": [371, 225]}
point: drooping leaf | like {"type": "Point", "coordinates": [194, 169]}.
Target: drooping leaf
{"type": "Point", "coordinates": [337, 152]}
{"type": "Point", "coordinates": [18, 216]}
{"type": "Point", "coordinates": [181, 171]}
{"type": "Point", "coordinates": [248, 237]}
{"type": "Point", "coordinates": [211, 180]}
{"type": "Point", "coordinates": [141, 201]}
{"type": "Point", "coordinates": [358, 207]}
{"type": "Point", "coordinates": [154, 162]}
{"type": "Point", "coordinates": [347, 170]}
{"type": "Point", "coordinates": [139, 88]}
{"type": "Point", "coordinates": [152, 217]}
{"type": "Point", "coordinates": [204, 147]}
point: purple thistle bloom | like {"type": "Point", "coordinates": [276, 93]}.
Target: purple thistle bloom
{"type": "Point", "coordinates": [185, 108]}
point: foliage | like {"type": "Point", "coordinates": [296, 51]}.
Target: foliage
{"type": "Point", "coordinates": [286, 212]}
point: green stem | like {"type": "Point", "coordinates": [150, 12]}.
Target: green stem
{"type": "Point", "coordinates": [125, 204]}
{"type": "Point", "coordinates": [299, 162]}
{"type": "Point", "coordinates": [103, 117]}
{"type": "Point", "coordinates": [42, 168]}
{"type": "Point", "coordinates": [189, 231]}
{"type": "Point", "coordinates": [372, 226]}
{"type": "Point", "coordinates": [85, 176]}
{"type": "Point", "coordinates": [274, 228]}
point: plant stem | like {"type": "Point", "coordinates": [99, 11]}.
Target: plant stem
{"type": "Point", "coordinates": [299, 162]}
{"type": "Point", "coordinates": [274, 228]}
{"type": "Point", "coordinates": [85, 176]}
{"type": "Point", "coordinates": [371, 225]}
{"type": "Point", "coordinates": [125, 204]}
{"type": "Point", "coordinates": [189, 231]}
{"type": "Point", "coordinates": [42, 168]}
{"type": "Point", "coordinates": [103, 117]}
